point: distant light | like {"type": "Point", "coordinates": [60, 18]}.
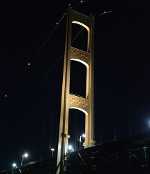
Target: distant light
{"type": "Point", "coordinates": [14, 165]}
{"type": "Point", "coordinates": [52, 149]}
{"type": "Point", "coordinates": [106, 12]}
{"type": "Point", "coordinates": [69, 5]}
{"type": "Point", "coordinates": [5, 95]}
{"type": "Point", "coordinates": [70, 148]}
{"type": "Point", "coordinates": [25, 155]}
{"type": "Point", "coordinates": [29, 63]}
{"type": "Point", "coordinates": [68, 136]}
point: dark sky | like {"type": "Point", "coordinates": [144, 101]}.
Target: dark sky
{"type": "Point", "coordinates": [31, 60]}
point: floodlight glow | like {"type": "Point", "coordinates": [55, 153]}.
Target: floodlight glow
{"type": "Point", "coordinates": [83, 135]}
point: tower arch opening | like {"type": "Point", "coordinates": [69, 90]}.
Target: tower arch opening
{"type": "Point", "coordinates": [76, 128]}
{"type": "Point", "coordinates": [80, 36]}
{"type": "Point", "coordinates": [78, 78]}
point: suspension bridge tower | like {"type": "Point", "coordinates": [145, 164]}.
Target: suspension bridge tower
{"type": "Point", "coordinates": [72, 101]}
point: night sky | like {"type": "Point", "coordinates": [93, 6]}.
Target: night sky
{"type": "Point", "coordinates": [31, 62]}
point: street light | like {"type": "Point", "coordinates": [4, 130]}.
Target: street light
{"type": "Point", "coordinates": [81, 140]}
{"type": "Point", "coordinates": [52, 151]}
{"type": "Point", "coordinates": [14, 165]}
{"type": "Point", "coordinates": [70, 148]}
{"type": "Point", "coordinates": [82, 137]}
{"type": "Point", "coordinates": [145, 148]}
{"type": "Point", "coordinates": [24, 156]}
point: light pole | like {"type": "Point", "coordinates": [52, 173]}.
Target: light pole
{"type": "Point", "coordinates": [82, 139]}
{"type": "Point", "coordinates": [23, 157]}
{"type": "Point", "coordinates": [14, 167]}
{"type": "Point", "coordinates": [145, 148]}
{"type": "Point", "coordinates": [52, 151]}
{"type": "Point", "coordinates": [70, 148]}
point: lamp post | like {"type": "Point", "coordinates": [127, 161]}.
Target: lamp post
{"type": "Point", "coordinates": [52, 151]}
{"type": "Point", "coordinates": [82, 139]}
{"type": "Point", "coordinates": [70, 148]}
{"type": "Point", "coordinates": [14, 167]}
{"type": "Point", "coordinates": [146, 156]}
{"type": "Point", "coordinates": [19, 168]}
{"type": "Point", "coordinates": [23, 157]}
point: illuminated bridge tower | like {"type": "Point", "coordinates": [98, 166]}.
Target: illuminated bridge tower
{"type": "Point", "coordinates": [72, 101]}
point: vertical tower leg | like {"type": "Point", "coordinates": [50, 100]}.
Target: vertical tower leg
{"type": "Point", "coordinates": [68, 100]}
